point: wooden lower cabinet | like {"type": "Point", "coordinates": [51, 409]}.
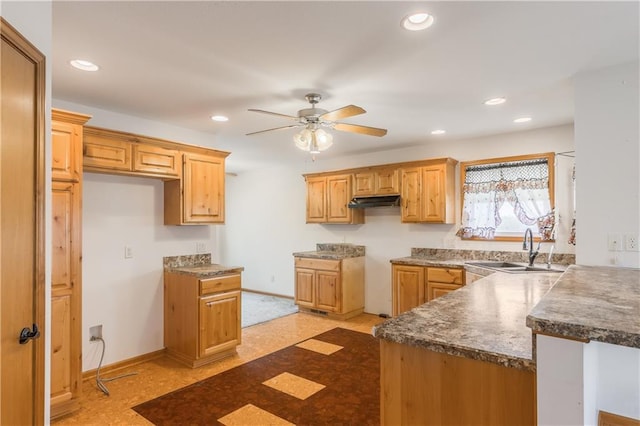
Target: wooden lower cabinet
{"type": "Point", "coordinates": [414, 285]}
{"type": "Point", "coordinates": [201, 317]}
{"type": "Point", "coordinates": [334, 287]}
{"type": "Point", "coordinates": [422, 387]}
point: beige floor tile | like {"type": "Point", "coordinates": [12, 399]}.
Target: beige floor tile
{"type": "Point", "coordinates": [319, 346]}
{"type": "Point", "coordinates": [252, 415]}
{"type": "Point", "coordinates": [293, 385]}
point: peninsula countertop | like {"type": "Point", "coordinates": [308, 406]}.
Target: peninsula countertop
{"type": "Point", "coordinates": [592, 303]}
{"type": "Point", "coordinates": [484, 320]}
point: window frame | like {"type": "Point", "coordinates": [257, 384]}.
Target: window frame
{"type": "Point", "coordinates": [549, 156]}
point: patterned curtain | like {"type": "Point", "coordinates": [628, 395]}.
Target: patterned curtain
{"type": "Point", "coordinates": [522, 184]}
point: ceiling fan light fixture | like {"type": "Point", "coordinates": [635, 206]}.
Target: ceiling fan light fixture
{"type": "Point", "coordinates": [313, 141]}
{"type": "Point", "coordinates": [417, 21]}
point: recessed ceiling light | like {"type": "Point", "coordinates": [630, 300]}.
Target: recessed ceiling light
{"type": "Point", "coordinates": [438, 132]}
{"type": "Point", "coordinates": [219, 118]}
{"type": "Point", "coordinates": [83, 65]}
{"type": "Point", "coordinates": [522, 120]}
{"type": "Point", "coordinates": [417, 21]}
{"type": "Point", "coordinates": [495, 101]}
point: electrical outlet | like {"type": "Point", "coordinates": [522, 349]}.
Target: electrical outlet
{"type": "Point", "coordinates": [631, 242]}
{"type": "Point", "coordinates": [95, 332]}
{"type": "Point", "coordinates": [201, 247]}
{"type": "Point", "coordinates": [128, 252]}
{"type": "Point", "coordinates": [614, 242]}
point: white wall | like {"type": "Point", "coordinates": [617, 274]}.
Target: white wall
{"type": "Point", "coordinates": [33, 21]}
{"type": "Point", "coordinates": [266, 214]}
{"type": "Point", "coordinates": [608, 179]}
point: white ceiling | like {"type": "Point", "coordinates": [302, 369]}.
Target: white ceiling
{"type": "Point", "coordinates": [180, 62]}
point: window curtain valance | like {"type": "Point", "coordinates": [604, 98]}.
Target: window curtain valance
{"type": "Point", "coordinates": [522, 184]}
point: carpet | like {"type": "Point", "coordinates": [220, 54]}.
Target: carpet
{"type": "Point", "coordinates": [258, 308]}
{"type": "Point", "coordinates": [330, 379]}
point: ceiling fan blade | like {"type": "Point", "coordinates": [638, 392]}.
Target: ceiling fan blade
{"type": "Point", "coordinates": [371, 131]}
{"type": "Point", "coordinates": [275, 128]}
{"type": "Point", "coordinates": [340, 113]}
{"type": "Point", "coordinates": [273, 113]}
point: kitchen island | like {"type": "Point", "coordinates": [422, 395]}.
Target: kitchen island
{"type": "Point", "coordinates": [464, 358]}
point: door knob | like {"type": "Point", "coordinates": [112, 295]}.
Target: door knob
{"type": "Point", "coordinates": [27, 334]}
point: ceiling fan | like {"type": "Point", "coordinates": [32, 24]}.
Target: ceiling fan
{"type": "Point", "coordinates": [313, 138]}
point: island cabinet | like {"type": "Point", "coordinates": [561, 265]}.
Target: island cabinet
{"type": "Point", "coordinates": [66, 254]}
{"type": "Point", "coordinates": [428, 192]}
{"type": "Point", "coordinates": [414, 285]}
{"type": "Point", "coordinates": [330, 286]}
{"type": "Point", "coordinates": [384, 181]}
{"type": "Point", "coordinates": [328, 197]}
{"type": "Point", "coordinates": [201, 317]}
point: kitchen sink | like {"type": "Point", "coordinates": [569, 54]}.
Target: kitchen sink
{"type": "Point", "coordinates": [513, 268]}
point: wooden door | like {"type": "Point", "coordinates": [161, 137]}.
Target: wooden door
{"type": "Point", "coordinates": [316, 200]}
{"type": "Point", "coordinates": [22, 228]}
{"type": "Point", "coordinates": [408, 288]}
{"type": "Point", "coordinates": [203, 187]}
{"type": "Point", "coordinates": [66, 298]}
{"type": "Point", "coordinates": [411, 187]}
{"type": "Point", "coordinates": [433, 194]}
{"type": "Point", "coordinates": [338, 196]}
{"type": "Point", "coordinates": [219, 322]}
{"type": "Point", "coordinates": [328, 294]}
{"type": "Point", "coordinates": [305, 284]}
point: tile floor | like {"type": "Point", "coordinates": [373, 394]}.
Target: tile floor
{"type": "Point", "coordinates": [163, 375]}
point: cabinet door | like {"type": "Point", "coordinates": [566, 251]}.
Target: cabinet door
{"type": "Point", "coordinates": [387, 182]}
{"type": "Point", "coordinates": [66, 344]}
{"type": "Point", "coordinates": [411, 188]}
{"type": "Point", "coordinates": [338, 196]}
{"type": "Point", "coordinates": [66, 151]}
{"type": "Point", "coordinates": [328, 291]}
{"type": "Point", "coordinates": [435, 290]}
{"type": "Point", "coordinates": [408, 287]}
{"type": "Point", "coordinates": [433, 194]}
{"type": "Point", "coordinates": [305, 284]}
{"type": "Point", "coordinates": [102, 153]}
{"type": "Point", "coordinates": [219, 322]}
{"type": "Point", "coordinates": [316, 200]}
{"type": "Point", "coordinates": [364, 183]}
{"type": "Point", "coordinates": [203, 188]}
{"type": "Point", "coordinates": [156, 160]}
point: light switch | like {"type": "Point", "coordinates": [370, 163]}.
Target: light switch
{"type": "Point", "coordinates": [128, 252]}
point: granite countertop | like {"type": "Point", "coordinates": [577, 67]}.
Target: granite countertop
{"type": "Point", "coordinates": [206, 271]}
{"type": "Point", "coordinates": [333, 251]}
{"type": "Point", "coordinates": [484, 320]}
{"type": "Point", "coordinates": [592, 303]}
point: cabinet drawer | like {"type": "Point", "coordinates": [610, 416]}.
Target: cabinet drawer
{"type": "Point", "coordinates": [324, 264]}
{"type": "Point", "coordinates": [218, 284]}
{"type": "Point", "coordinates": [443, 275]}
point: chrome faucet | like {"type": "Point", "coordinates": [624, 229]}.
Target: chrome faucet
{"type": "Point", "coordinates": [532, 254]}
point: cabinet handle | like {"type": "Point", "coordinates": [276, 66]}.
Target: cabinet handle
{"type": "Point", "coordinates": [209, 304]}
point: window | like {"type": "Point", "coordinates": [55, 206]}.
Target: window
{"type": "Point", "coordinates": [502, 197]}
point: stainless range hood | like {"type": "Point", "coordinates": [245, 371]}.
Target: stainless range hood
{"type": "Point", "coordinates": [374, 201]}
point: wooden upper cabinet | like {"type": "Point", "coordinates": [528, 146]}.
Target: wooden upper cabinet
{"type": "Point", "coordinates": [328, 198]}
{"type": "Point", "coordinates": [428, 192]}
{"type": "Point", "coordinates": [156, 160]}
{"type": "Point", "coordinates": [316, 200]}
{"type": "Point", "coordinates": [66, 145]}
{"type": "Point", "coordinates": [104, 152]}
{"type": "Point", "coordinates": [377, 182]}
{"type": "Point", "coordinates": [197, 198]}
{"type": "Point", "coordinates": [411, 191]}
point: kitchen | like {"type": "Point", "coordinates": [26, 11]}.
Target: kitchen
{"type": "Point", "coordinates": [122, 211]}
